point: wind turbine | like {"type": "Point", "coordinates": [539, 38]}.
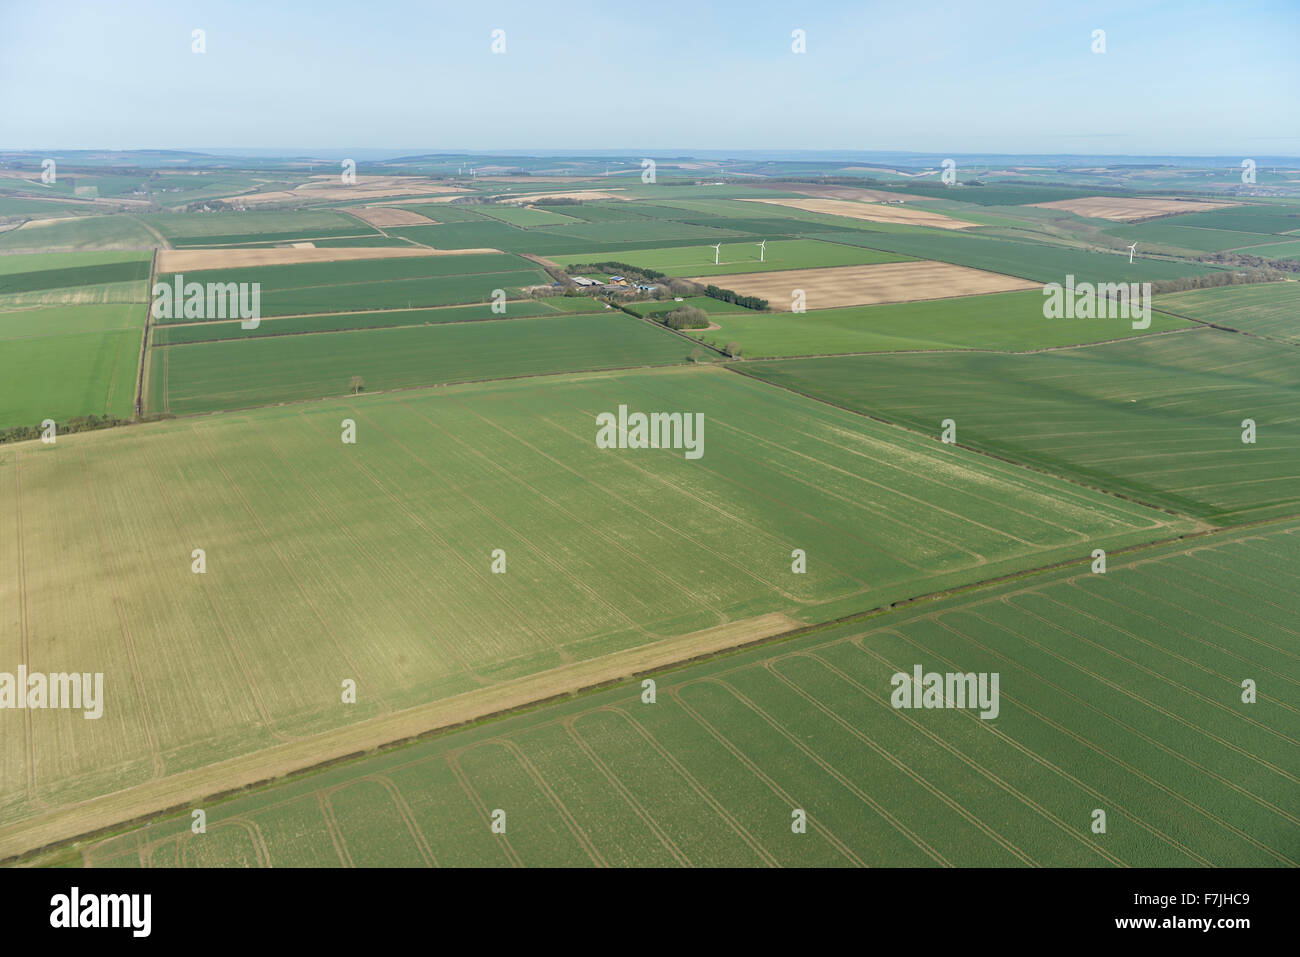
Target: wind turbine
{"type": "Point", "coordinates": [1131, 250]}
{"type": "Point", "coordinates": [762, 249]}
{"type": "Point", "coordinates": [717, 251]}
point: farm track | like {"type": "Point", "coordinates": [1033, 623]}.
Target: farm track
{"type": "Point", "coordinates": [163, 243]}
{"type": "Point", "coordinates": [144, 339]}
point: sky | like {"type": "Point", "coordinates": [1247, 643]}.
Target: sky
{"type": "Point", "coordinates": [1176, 78]}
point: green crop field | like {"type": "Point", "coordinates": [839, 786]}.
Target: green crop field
{"type": "Point", "coordinates": [100, 293]}
{"type": "Point", "coordinates": [1035, 261]}
{"type": "Point", "coordinates": [1250, 219]}
{"type": "Point", "coordinates": [367, 284]}
{"type": "Point", "coordinates": [1158, 418]}
{"type": "Point", "coordinates": [345, 272]}
{"type": "Point", "coordinates": [41, 263]}
{"type": "Point", "coordinates": [80, 275]}
{"type": "Point", "coordinates": [36, 208]}
{"type": "Point", "coordinates": [645, 232]}
{"type": "Point", "coordinates": [1199, 238]}
{"type": "Point", "coordinates": [227, 228]}
{"type": "Point", "coordinates": [364, 241]}
{"type": "Point", "coordinates": [175, 333]}
{"type": "Point", "coordinates": [389, 293]}
{"type": "Point", "coordinates": [765, 219]}
{"type": "Point", "coordinates": [1262, 309]}
{"type": "Point", "coordinates": [70, 330]}
{"type": "Point", "coordinates": [91, 278]}
{"type": "Point", "coordinates": [526, 216]}
{"type": "Point", "coordinates": [616, 212]}
{"type": "Point", "coordinates": [491, 234]}
{"type": "Point", "coordinates": [562, 240]}
{"type": "Point", "coordinates": [391, 489]}
{"type": "Point", "coordinates": [1006, 321]}
{"type": "Point", "coordinates": [371, 561]}
{"type": "Point", "coordinates": [744, 257]}
{"type": "Point", "coordinates": [65, 361]}
{"type": "Point", "coordinates": [1119, 692]}
{"type": "Point", "coordinates": [1289, 250]}
{"type": "Point", "coordinates": [208, 376]}
{"type": "Point", "coordinates": [82, 232]}
{"type": "Point", "coordinates": [446, 212]}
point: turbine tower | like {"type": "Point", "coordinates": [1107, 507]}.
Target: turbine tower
{"type": "Point", "coordinates": [717, 251]}
{"type": "Point", "coordinates": [762, 250]}
{"type": "Point", "coordinates": [1131, 250]}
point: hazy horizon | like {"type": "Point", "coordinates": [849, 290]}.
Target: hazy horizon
{"type": "Point", "coordinates": [1198, 79]}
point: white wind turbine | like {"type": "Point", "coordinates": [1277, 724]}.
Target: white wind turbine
{"type": "Point", "coordinates": [717, 251]}
{"type": "Point", "coordinates": [762, 250]}
{"type": "Point", "coordinates": [1131, 250]}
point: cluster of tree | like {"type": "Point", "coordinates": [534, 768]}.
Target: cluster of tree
{"type": "Point", "coordinates": [1212, 279]}
{"type": "Point", "coordinates": [675, 289]}
{"type": "Point", "coordinates": [638, 273]}
{"type": "Point", "coordinates": [731, 350]}
{"type": "Point", "coordinates": [683, 317]}
{"type": "Point", "coordinates": [730, 295]}
{"type": "Point", "coordinates": [557, 201]}
{"type": "Point", "coordinates": [80, 423]}
{"type": "Point", "coordinates": [1256, 262]}
{"type": "Point", "coordinates": [213, 205]}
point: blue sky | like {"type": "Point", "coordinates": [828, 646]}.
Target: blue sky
{"type": "Point", "coordinates": [1194, 78]}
